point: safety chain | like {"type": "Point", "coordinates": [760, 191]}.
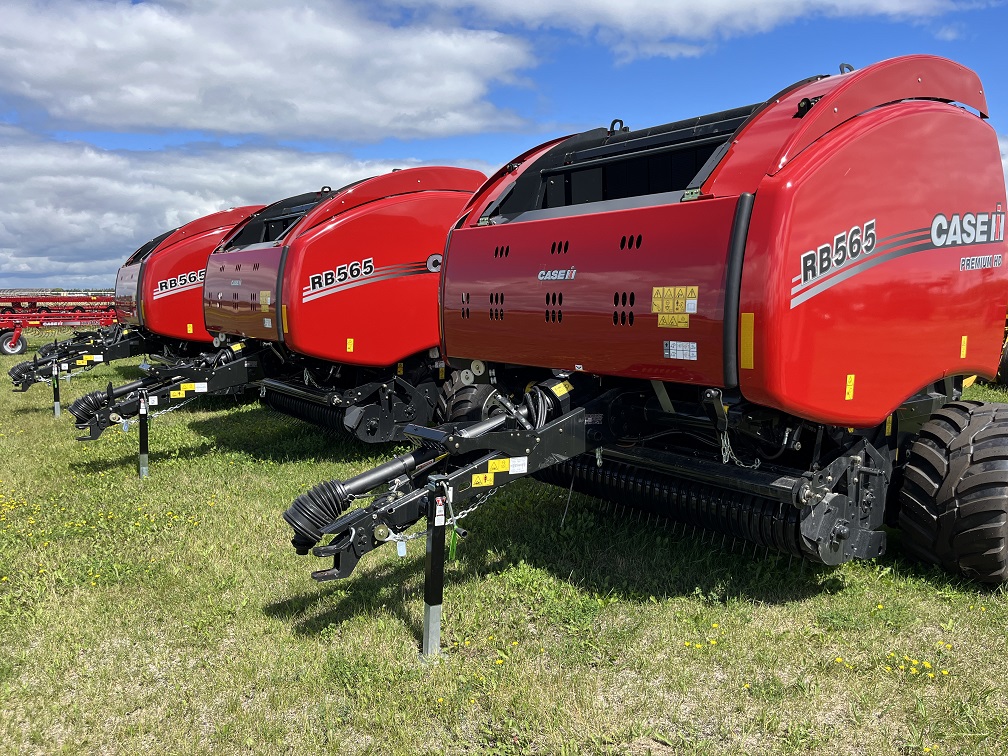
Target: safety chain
{"type": "Point", "coordinates": [728, 454]}
{"type": "Point", "coordinates": [452, 520]}
{"type": "Point", "coordinates": [172, 408]}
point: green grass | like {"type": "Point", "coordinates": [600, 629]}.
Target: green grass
{"type": "Point", "coordinates": [170, 615]}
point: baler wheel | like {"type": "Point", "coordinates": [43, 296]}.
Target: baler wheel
{"type": "Point", "coordinates": [459, 402]}
{"type": "Point", "coordinates": [954, 500]}
{"type": "Point", "coordinates": [18, 346]}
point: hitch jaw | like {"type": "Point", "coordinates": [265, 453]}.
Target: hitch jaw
{"type": "Point", "coordinates": [362, 530]}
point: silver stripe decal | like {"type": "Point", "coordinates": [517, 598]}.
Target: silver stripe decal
{"type": "Point", "coordinates": [916, 235]}
{"type": "Point", "coordinates": [318, 293]}
{"type": "Point", "coordinates": [177, 290]}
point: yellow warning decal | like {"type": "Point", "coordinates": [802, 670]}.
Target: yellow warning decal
{"type": "Point", "coordinates": [440, 374]}
{"type": "Point", "coordinates": [748, 326]}
{"type": "Point", "coordinates": [962, 349]}
{"type": "Point", "coordinates": [283, 317]}
{"type": "Point", "coordinates": [499, 465]}
{"type": "Point", "coordinates": [674, 299]}
{"type": "Point", "coordinates": [264, 301]}
{"type": "Point", "coordinates": [188, 387]}
{"type": "Point", "coordinates": [673, 321]}
{"type": "Point", "coordinates": [349, 345]}
{"type": "Point", "coordinates": [80, 362]}
{"type": "Point", "coordinates": [399, 369]}
{"type": "Point", "coordinates": [849, 393]}
{"type": "Point", "coordinates": [888, 425]}
{"type": "Point", "coordinates": [177, 394]}
{"type": "Point", "coordinates": [188, 327]}
{"type": "Point", "coordinates": [482, 480]}
{"type": "Point", "coordinates": [562, 389]}
{"type": "Point", "coordinates": [237, 347]}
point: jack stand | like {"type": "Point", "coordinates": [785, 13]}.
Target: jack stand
{"type": "Point", "coordinates": [56, 389]}
{"type": "Point", "coordinates": [143, 434]}
{"type": "Point", "coordinates": [434, 578]}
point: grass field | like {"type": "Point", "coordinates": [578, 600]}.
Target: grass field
{"type": "Point", "coordinates": [171, 615]}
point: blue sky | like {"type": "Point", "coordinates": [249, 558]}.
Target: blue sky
{"type": "Point", "coordinates": [121, 120]}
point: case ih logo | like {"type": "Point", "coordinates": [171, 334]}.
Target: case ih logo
{"type": "Point", "coordinates": [565, 274]}
{"type": "Point", "coordinates": [182, 282]}
{"type": "Point", "coordinates": [968, 228]}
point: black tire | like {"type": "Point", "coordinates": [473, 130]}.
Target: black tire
{"type": "Point", "coordinates": [7, 311]}
{"type": "Point", "coordinates": [461, 403]}
{"type": "Point", "coordinates": [77, 309]}
{"type": "Point", "coordinates": [43, 310]}
{"type": "Point", "coordinates": [954, 499]}
{"type": "Point", "coordinates": [18, 347]}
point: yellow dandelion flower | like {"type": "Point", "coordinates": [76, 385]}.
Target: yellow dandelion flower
{"type": "Point", "coordinates": [839, 660]}
{"type": "Point", "coordinates": [944, 671]}
{"type": "Point", "coordinates": [880, 606]}
{"type": "Point", "coordinates": [499, 661]}
{"type": "Point", "coordinates": [713, 642]}
{"type": "Point", "coordinates": [927, 665]}
{"type": "Point", "coordinates": [714, 624]}
{"type": "Point", "coordinates": [948, 645]}
{"type": "Point", "coordinates": [931, 675]}
{"type": "Point", "coordinates": [440, 700]}
{"type": "Point", "coordinates": [914, 670]}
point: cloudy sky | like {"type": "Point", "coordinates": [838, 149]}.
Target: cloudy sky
{"type": "Point", "coordinates": [121, 120]}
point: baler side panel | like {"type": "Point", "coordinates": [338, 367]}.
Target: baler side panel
{"type": "Point", "coordinates": [501, 301]}
{"type": "Point", "coordinates": [239, 292]}
{"type": "Point", "coordinates": [847, 343]}
{"type": "Point", "coordinates": [368, 274]}
{"type": "Point", "coordinates": [127, 298]}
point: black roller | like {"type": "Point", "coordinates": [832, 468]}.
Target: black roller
{"type": "Point", "coordinates": [772, 524]}
{"type": "Point", "coordinates": [324, 416]}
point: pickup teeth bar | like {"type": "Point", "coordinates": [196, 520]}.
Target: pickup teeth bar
{"type": "Point", "coordinates": [330, 418]}
{"type": "Point", "coordinates": [772, 524]}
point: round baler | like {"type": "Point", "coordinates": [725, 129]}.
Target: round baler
{"type": "Point", "coordinates": [326, 304]}
{"type": "Point", "coordinates": [158, 304]}
{"type": "Point", "coordinates": [754, 322]}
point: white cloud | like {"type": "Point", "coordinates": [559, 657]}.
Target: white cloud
{"type": "Point", "coordinates": [70, 214]}
{"type": "Point", "coordinates": [674, 28]}
{"type": "Point", "coordinates": [297, 69]}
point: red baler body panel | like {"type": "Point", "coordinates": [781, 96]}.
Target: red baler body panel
{"type": "Point", "coordinates": [842, 336]}
{"type": "Point", "coordinates": [358, 274]}
{"type": "Point", "coordinates": [848, 344]}
{"type": "Point", "coordinates": [501, 307]}
{"type": "Point", "coordinates": [170, 279]}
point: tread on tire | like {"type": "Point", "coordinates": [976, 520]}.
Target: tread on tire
{"type": "Point", "coordinates": [954, 498]}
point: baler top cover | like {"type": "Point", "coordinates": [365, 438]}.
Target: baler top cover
{"type": "Point", "coordinates": [160, 285]}
{"type": "Point", "coordinates": [799, 249]}
{"type": "Point", "coordinates": [360, 264]}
